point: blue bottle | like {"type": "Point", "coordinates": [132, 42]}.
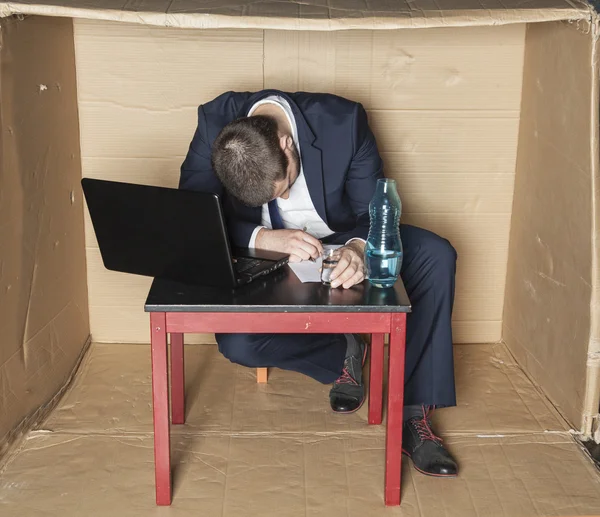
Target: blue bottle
{"type": "Point", "coordinates": [384, 248]}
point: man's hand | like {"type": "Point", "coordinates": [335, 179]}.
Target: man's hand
{"type": "Point", "coordinates": [351, 266]}
{"type": "Point", "coordinates": [298, 244]}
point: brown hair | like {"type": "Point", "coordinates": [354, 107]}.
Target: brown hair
{"type": "Point", "coordinates": [248, 159]}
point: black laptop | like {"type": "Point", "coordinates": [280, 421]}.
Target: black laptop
{"type": "Point", "coordinates": [169, 233]}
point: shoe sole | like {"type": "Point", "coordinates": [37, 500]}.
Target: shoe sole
{"type": "Point", "coordinates": [363, 400]}
{"type": "Point", "coordinates": [429, 473]}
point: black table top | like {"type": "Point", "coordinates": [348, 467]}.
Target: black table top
{"type": "Point", "coordinates": [277, 292]}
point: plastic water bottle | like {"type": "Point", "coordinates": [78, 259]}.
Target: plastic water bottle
{"type": "Point", "coordinates": [384, 248]}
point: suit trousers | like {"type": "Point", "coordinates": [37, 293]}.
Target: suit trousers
{"type": "Point", "coordinates": [428, 272]}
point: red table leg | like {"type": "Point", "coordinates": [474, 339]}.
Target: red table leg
{"type": "Point", "coordinates": [376, 380]}
{"type": "Point", "coordinates": [160, 402]}
{"type": "Point", "coordinates": [393, 441]}
{"type": "Point", "coordinates": [177, 380]}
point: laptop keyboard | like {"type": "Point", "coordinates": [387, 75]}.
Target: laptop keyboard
{"type": "Point", "coordinates": [248, 265]}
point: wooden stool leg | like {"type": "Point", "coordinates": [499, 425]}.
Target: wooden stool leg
{"type": "Point", "coordinates": [262, 375]}
{"type": "Point", "coordinates": [177, 380]}
{"type": "Point", "coordinates": [160, 404]}
{"type": "Point", "coordinates": [376, 380]}
{"type": "Point", "coordinates": [393, 440]}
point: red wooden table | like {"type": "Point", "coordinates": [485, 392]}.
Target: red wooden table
{"type": "Point", "coordinates": [277, 304]}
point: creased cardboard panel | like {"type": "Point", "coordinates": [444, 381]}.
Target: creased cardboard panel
{"type": "Point", "coordinates": [339, 476]}
{"type": "Point", "coordinates": [481, 243]}
{"type": "Point", "coordinates": [470, 331]}
{"type": "Point", "coordinates": [152, 80]}
{"type": "Point", "coordinates": [43, 295]}
{"type": "Point", "coordinates": [112, 394]}
{"type": "Point", "coordinates": [419, 70]}
{"type": "Point", "coordinates": [310, 15]}
{"type": "Point", "coordinates": [549, 282]}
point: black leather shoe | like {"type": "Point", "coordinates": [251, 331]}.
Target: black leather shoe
{"type": "Point", "coordinates": [429, 456]}
{"type": "Point", "coordinates": [348, 392]}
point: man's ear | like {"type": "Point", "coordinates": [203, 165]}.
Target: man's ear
{"type": "Point", "coordinates": [286, 142]}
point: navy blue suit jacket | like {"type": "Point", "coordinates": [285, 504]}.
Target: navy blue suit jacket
{"type": "Point", "coordinates": [338, 151]}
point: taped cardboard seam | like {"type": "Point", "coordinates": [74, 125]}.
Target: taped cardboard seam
{"type": "Point", "coordinates": [591, 409]}
{"type": "Point", "coordinates": [407, 15]}
{"type": "Point", "coordinates": [16, 438]}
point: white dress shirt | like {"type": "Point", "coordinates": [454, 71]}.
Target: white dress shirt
{"type": "Point", "coordinates": [298, 210]}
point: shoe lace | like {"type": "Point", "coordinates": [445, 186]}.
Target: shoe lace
{"type": "Point", "coordinates": [346, 378]}
{"type": "Point", "coordinates": [423, 427]}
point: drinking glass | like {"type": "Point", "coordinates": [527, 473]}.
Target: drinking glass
{"type": "Point", "coordinates": [330, 261]}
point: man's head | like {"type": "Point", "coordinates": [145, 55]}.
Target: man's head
{"type": "Point", "coordinates": [255, 160]}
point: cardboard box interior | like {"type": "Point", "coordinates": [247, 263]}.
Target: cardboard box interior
{"type": "Point", "coordinates": [490, 130]}
{"type": "Point", "coordinates": [446, 125]}
{"type": "Point", "coordinates": [277, 449]}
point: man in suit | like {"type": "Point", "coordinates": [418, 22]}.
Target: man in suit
{"type": "Point", "coordinates": [298, 170]}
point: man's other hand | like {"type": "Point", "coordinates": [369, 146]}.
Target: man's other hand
{"type": "Point", "coordinates": [297, 244]}
{"type": "Point", "coordinates": [351, 266]}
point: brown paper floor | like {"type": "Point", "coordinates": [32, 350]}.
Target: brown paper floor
{"type": "Point", "coordinates": [244, 451]}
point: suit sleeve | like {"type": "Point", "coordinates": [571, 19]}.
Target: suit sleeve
{"type": "Point", "coordinates": [365, 169]}
{"type": "Point", "coordinates": [197, 174]}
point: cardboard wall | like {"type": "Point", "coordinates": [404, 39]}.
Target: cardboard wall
{"type": "Point", "coordinates": [43, 294]}
{"type": "Point", "coordinates": [548, 317]}
{"type": "Point", "coordinates": [444, 104]}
